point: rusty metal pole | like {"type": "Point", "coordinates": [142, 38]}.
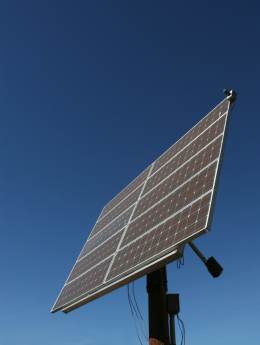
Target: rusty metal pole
{"type": "Point", "coordinates": [157, 307]}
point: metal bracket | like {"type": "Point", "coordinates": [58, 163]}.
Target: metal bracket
{"type": "Point", "coordinates": [211, 263]}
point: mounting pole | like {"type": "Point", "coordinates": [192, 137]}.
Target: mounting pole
{"type": "Point", "coordinates": [173, 306]}
{"type": "Point", "coordinates": [157, 307]}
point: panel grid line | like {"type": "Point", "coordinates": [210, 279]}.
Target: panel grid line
{"type": "Point", "coordinates": [99, 245]}
{"type": "Point", "coordinates": [155, 186]}
{"type": "Point", "coordinates": [89, 269]}
{"type": "Point", "coordinates": [127, 186]}
{"type": "Point", "coordinates": [145, 194]}
{"type": "Point", "coordinates": [166, 219]}
{"type": "Point", "coordinates": [181, 166]}
{"type": "Point", "coordinates": [197, 123]}
{"type": "Point", "coordinates": [190, 142]}
{"type": "Point", "coordinates": [71, 271]}
{"type": "Point", "coordinates": [175, 190]}
{"type": "Point", "coordinates": [167, 195]}
{"type": "Point", "coordinates": [105, 287]}
{"type": "Point", "coordinates": [134, 190]}
{"type": "Point", "coordinates": [113, 220]}
{"type": "Point", "coordinates": [122, 238]}
{"type": "Point", "coordinates": [162, 166]}
{"type": "Point", "coordinates": [166, 249]}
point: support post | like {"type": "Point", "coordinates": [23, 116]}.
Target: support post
{"type": "Point", "coordinates": [157, 307]}
{"type": "Point", "coordinates": [173, 307]}
{"type": "Point", "coordinates": [172, 329]}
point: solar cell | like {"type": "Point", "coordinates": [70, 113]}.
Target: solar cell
{"type": "Point", "coordinates": [111, 215]}
{"type": "Point", "coordinates": [126, 191]}
{"type": "Point", "coordinates": [189, 151]}
{"type": "Point", "coordinates": [191, 134]}
{"type": "Point", "coordinates": [161, 238]}
{"type": "Point", "coordinates": [87, 282]}
{"type": "Point", "coordinates": [147, 223]}
{"type": "Point", "coordinates": [94, 257]}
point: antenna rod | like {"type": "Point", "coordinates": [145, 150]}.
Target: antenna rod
{"type": "Point", "coordinates": [230, 94]}
{"type": "Point", "coordinates": [198, 252]}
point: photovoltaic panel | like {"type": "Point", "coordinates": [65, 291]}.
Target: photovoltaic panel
{"type": "Point", "coordinates": [150, 220]}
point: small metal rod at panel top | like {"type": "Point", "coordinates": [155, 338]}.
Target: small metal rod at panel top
{"type": "Point", "coordinates": [231, 95]}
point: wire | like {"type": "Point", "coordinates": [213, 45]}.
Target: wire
{"type": "Point", "coordinates": [137, 307]}
{"type": "Point", "coordinates": [133, 308]}
{"type": "Point", "coordinates": [143, 326]}
{"type": "Point", "coordinates": [180, 262]}
{"type": "Point", "coordinates": [182, 329]}
{"type": "Point", "coordinates": [134, 314]}
{"type": "Point", "coordinates": [137, 316]}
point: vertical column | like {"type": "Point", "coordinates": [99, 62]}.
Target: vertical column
{"type": "Point", "coordinates": [157, 307]}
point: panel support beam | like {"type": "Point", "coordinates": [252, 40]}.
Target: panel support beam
{"type": "Point", "coordinates": [157, 307]}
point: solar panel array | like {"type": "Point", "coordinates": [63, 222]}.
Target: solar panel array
{"type": "Point", "coordinates": [164, 207]}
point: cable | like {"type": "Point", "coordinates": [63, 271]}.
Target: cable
{"type": "Point", "coordinates": [133, 308]}
{"type": "Point", "coordinates": [137, 307]}
{"type": "Point", "coordinates": [133, 313]}
{"type": "Point", "coordinates": [180, 262]}
{"type": "Point", "coordinates": [137, 316]}
{"type": "Point", "coordinates": [143, 326]}
{"type": "Point", "coordinates": [182, 329]}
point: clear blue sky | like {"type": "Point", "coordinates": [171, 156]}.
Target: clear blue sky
{"type": "Point", "coordinates": [90, 93]}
